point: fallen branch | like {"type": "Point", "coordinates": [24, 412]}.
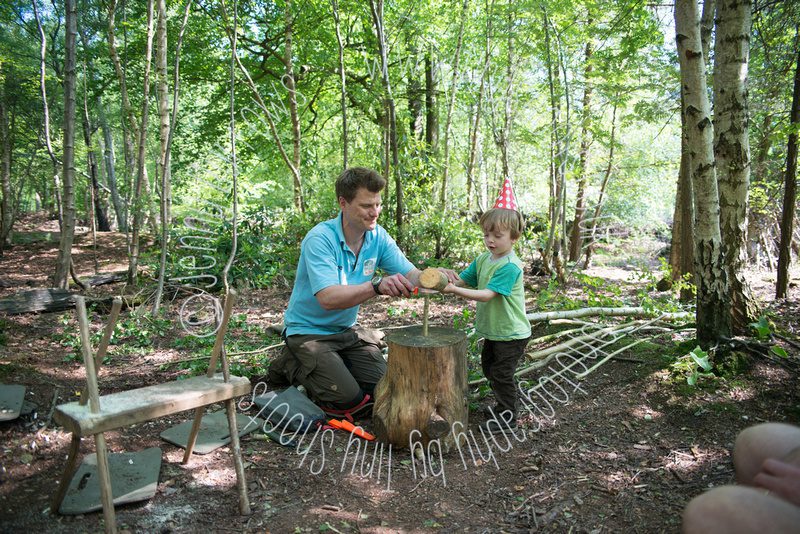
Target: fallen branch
{"type": "Point", "coordinates": [609, 312]}
{"type": "Point", "coordinates": [791, 342]}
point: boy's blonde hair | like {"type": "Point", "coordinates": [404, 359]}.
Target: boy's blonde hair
{"type": "Point", "coordinates": [503, 219]}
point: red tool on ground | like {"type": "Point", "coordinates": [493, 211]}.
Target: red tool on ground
{"type": "Point", "coordinates": [347, 426]}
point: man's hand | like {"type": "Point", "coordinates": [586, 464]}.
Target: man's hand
{"type": "Point", "coordinates": [396, 285]}
{"type": "Point", "coordinates": [780, 478]}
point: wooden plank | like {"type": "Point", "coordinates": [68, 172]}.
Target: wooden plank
{"type": "Point", "coordinates": [144, 404]}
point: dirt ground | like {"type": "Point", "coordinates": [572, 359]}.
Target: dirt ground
{"type": "Point", "coordinates": [623, 453]}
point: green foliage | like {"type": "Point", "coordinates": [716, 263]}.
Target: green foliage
{"type": "Point", "coordinates": [762, 329]}
{"type": "Point", "coordinates": [241, 337]}
{"type": "Point", "coordinates": [694, 367]}
{"type": "Point", "coordinates": [3, 336]}
{"type": "Point", "coordinates": [132, 335]}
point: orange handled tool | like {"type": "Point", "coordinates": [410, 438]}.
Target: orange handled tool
{"type": "Point", "coordinates": [349, 427]}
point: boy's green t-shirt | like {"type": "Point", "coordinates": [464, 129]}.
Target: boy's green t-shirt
{"type": "Point", "coordinates": [503, 317]}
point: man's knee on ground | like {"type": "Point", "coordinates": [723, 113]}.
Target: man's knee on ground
{"type": "Point", "coordinates": [717, 510]}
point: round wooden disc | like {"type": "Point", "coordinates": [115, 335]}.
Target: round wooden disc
{"type": "Point", "coordinates": [438, 336]}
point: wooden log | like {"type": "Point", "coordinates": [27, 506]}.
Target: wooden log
{"type": "Point", "coordinates": [432, 278]}
{"type": "Point", "coordinates": [424, 388]}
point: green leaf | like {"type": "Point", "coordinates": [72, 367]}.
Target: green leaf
{"type": "Point", "coordinates": [779, 351]}
{"type": "Point", "coordinates": [700, 357]}
{"type": "Point", "coordinates": [692, 379]}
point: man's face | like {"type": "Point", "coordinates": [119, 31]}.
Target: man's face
{"type": "Point", "coordinates": [362, 212]}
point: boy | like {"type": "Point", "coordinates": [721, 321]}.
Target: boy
{"type": "Point", "coordinates": [496, 276]}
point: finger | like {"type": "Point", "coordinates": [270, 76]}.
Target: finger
{"type": "Point", "coordinates": [779, 468]}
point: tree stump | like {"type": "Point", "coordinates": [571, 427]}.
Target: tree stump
{"type": "Point", "coordinates": [424, 388]}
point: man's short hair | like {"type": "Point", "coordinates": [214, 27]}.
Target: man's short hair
{"type": "Point", "coordinates": [350, 181]}
{"type": "Point", "coordinates": [503, 219]}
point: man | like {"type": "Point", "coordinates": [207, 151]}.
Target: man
{"type": "Point", "coordinates": [338, 362]}
{"type": "Point", "coordinates": [767, 462]}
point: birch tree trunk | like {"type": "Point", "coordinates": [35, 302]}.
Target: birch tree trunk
{"type": "Point", "coordinates": [109, 160]}
{"type": "Point", "coordinates": [289, 82]}
{"type": "Point", "coordinates": [168, 122]}
{"type": "Point", "coordinates": [598, 209]}
{"type": "Point", "coordinates": [789, 191]}
{"type": "Point", "coordinates": [576, 239]}
{"type": "Point", "coordinates": [6, 150]}
{"type": "Point", "coordinates": [342, 81]}
{"type": "Point", "coordinates": [46, 109]}
{"type": "Point", "coordinates": [129, 123]}
{"type": "Point", "coordinates": [732, 149]}
{"type": "Point", "coordinates": [60, 280]}
{"type": "Point", "coordinates": [141, 177]}
{"type": "Point", "coordinates": [713, 314]}
{"type": "Point", "coordinates": [450, 104]}
{"type": "Point", "coordinates": [376, 9]}
{"type": "Point", "coordinates": [473, 136]}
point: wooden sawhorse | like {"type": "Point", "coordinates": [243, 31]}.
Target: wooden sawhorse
{"type": "Point", "coordinates": [118, 410]}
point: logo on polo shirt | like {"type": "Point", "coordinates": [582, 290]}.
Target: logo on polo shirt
{"type": "Point", "coordinates": [369, 267]}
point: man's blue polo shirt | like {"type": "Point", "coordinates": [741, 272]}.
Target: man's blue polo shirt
{"type": "Point", "coordinates": [326, 260]}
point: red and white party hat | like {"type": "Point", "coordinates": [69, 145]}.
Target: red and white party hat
{"type": "Point", "coordinates": [506, 200]}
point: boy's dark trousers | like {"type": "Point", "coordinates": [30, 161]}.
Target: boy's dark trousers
{"type": "Point", "coordinates": [499, 360]}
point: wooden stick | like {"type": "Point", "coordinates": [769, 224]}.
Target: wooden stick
{"type": "Point", "coordinates": [66, 476]}
{"type": "Point", "coordinates": [425, 310]}
{"type": "Point", "coordinates": [106, 496]}
{"type": "Point", "coordinates": [230, 298]}
{"type": "Point", "coordinates": [612, 312]}
{"type": "Point", "coordinates": [116, 306]}
{"type": "Point", "coordinates": [238, 466]}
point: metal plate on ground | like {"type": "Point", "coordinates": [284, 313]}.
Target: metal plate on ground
{"type": "Point", "coordinates": [213, 432]}
{"type": "Point", "coordinates": [134, 477]}
{"type": "Point", "coordinates": [11, 398]}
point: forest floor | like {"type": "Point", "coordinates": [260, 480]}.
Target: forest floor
{"type": "Point", "coordinates": [624, 453]}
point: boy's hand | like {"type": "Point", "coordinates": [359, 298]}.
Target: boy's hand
{"type": "Point", "coordinates": [449, 288]}
{"type": "Point", "coordinates": [451, 275]}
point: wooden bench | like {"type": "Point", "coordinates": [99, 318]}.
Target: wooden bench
{"type": "Point", "coordinates": [125, 408]}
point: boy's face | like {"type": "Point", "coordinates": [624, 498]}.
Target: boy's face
{"type": "Point", "coordinates": [498, 241]}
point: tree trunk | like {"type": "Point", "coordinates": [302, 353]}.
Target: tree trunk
{"type": "Point", "coordinates": [107, 147]}
{"type": "Point", "coordinates": [162, 91]}
{"type": "Point", "coordinates": [100, 215]}
{"type": "Point", "coordinates": [789, 191]}
{"type": "Point", "coordinates": [431, 104]}
{"type": "Point", "coordinates": [289, 82]}
{"type": "Point", "coordinates": [7, 149]}
{"type": "Point", "coordinates": [141, 176]}
{"type": "Point", "coordinates": [377, 17]}
{"type": "Point", "coordinates": [46, 109]}
{"type": "Point", "coordinates": [473, 136]}
{"type": "Point", "coordinates": [576, 239]}
{"type": "Point", "coordinates": [64, 259]}
{"type": "Point", "coordinates": [168, 123]}
{"type": "Point", "coordinates": [732, 150]}
{"type": "Point", "coordinates": [450, 104]}
{"type": "Point", "coordinates": [424, 389]}
{"type": "Point", "coordinates": [128, 122]}
{"type": "Point", "coordinates": [713, 314]}
{"type": "Point", "coordinates": [598, 209]}
{"type": "Point", "coordinates": [342, 81]}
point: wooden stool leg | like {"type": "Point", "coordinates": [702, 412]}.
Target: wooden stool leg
{"type": "Point", "coordinates": [198, 418]}
{"type": "Point", "coordinates": [66, 477]}
{"type": "Point", "coordinates": [106, 496]}
{"type": "Point", "coordinates": [238, 466]}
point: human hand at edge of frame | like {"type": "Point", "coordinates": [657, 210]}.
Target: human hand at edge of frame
{"type": "Point", "coordinates": [781, 479]}
{"type": "Point", "coordinates": [396, 285]}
